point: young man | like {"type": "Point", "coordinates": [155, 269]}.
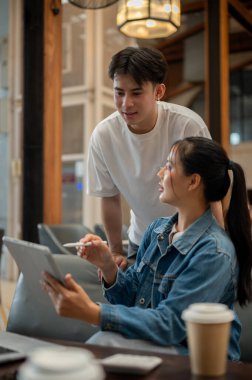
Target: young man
{"type": "Point", "coordinates": [127, 147]}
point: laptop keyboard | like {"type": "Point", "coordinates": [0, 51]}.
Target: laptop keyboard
{"type": "Point", "coordinates": [9, 376]}
{"type": "Point", "coordinates": [4, 350]}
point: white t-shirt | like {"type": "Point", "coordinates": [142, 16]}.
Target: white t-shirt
{"type": "Point", "coordinates": [120, 161]}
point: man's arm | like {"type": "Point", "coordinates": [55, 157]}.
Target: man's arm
{"type": "Point", "coordinates": [112, 221]}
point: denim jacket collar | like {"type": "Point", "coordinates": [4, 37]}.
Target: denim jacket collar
{"type": "Point", "coordinates": [190, 236]}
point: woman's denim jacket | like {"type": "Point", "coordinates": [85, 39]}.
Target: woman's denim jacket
{"type": "Point", "coordinates": [146, 301]}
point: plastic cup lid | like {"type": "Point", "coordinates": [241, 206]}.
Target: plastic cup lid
{"type": "Point", "coordinates": [57, 359]}
{"type": "Point", "coordinates": [61, 363]}
{"type": "Point", "coordinates": [208, 313]}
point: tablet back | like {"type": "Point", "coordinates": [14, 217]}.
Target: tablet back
{"type": "Point", "coordinates": [32, 259]}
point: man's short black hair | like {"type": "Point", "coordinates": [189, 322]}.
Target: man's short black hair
{"type": "Point", "coordinates": [143, 64]}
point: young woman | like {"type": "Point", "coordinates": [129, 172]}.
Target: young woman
{"type": "Point", "coordinates": [182, 259]}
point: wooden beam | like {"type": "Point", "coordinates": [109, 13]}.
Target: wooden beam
{"type": "Point", "coordinates": [224, 74]}
{"type": "Point", "coordinates": [174, 53]}
{"type": "Point", "coordinates": [180, 36]}
{"type": "Point", "coordinates": [240, 42]}
{"type": "Point", "coordinates": [196, 6]}
{"type": "Point", "coordinates": [217, 70]}
{"type": "Point", "coordinates": [52, 112]}
{"type": "Point", "coordinates": [180, 89]}
{"type": "Point", "coordinates": [241, 14]}
{"type": "Point", "coordinates": [244, 63]}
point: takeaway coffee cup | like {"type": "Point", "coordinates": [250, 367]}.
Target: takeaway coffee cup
{"type": "Point", "coordinates": [208, 332]}
{"type": "Point", "coordinates": [61, 364]}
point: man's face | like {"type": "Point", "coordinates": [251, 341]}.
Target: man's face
{"type": "Point", "coordinates": [136, 104]}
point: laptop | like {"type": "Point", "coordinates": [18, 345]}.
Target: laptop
{"type": "Point", "coordinates": [17, 347]}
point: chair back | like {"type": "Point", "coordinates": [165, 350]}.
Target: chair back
{"type": "Point", "coordinates": [99, 230]}
{"type": "Point", "coordinates": [1, 240]}
{"type": "Point", "coordinates": [245, 316]}
{"type": "Point", "coordinates": [3, 318]}
{"type": "Point", "coordinates": [55, 235]}
{"type": "Point", "coordinates": [33, 314]}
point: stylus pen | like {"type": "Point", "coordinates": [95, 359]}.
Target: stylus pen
{"type": "Point", "coordinates": [80, 244]}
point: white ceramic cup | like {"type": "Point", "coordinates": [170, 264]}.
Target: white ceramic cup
{"type": "Point", "coordinates": [208, 332]}
{"type": "Point", "coordinates": [61, 364]}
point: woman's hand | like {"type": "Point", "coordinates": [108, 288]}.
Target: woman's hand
{"type": "Point", "coordinates": [71, 301]}
{"type": "Point", "coordinates": [99, 254]}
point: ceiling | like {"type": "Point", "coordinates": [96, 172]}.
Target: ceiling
{"type": "Point", "coordinates": [185, 48]}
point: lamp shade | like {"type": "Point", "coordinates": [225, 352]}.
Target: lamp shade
{"type": "Point", "coordinates": [148, 18]}
{"type": "Point", "coordinates": [92, 4]}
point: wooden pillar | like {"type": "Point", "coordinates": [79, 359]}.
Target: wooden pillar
{"type": "Point", "coordinates": [41, 115]}
{"type": "Point", "coordinates": [217, 70]}
{"type": "Point", "coordinates": [52, 111]}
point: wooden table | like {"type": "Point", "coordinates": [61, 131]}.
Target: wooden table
{"type": "Point", "coordinates": [173, 367]}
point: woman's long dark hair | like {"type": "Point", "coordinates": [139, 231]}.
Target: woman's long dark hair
{"type": "Point", "coordinates": [207, 158]}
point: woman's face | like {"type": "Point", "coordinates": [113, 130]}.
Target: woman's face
{"type": "Point", "coordinates": [173, 184]}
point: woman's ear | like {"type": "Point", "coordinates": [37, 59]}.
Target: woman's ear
{"type": "Point", "coordinates": [195, 181]}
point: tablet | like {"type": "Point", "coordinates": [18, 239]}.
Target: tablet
{"type": "Point", "coordinates": [33, 259]}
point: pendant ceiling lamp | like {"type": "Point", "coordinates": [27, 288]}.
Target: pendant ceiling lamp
{"type": "Point", "coordinates": [92, 4]}
{"type": "Point", "coordinates": [148, 18]}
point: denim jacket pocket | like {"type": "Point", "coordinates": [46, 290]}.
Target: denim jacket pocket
{"type": "Point", "coordinates": [141, 266]}
{"type": "Point", "coordinates": [166, 284]}
{"type": "Point", "coordinates": [144, 264]}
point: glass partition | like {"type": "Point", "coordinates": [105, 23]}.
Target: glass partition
{"type": "Point", "coordinates": [90, 38]}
